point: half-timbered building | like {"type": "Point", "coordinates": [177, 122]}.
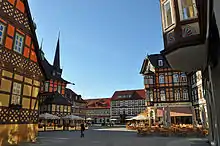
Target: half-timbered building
{"type": "Point", "coordinates": [198, 97]}
{"type": "Point", "coordinates": [51, 97]}
{"type": "Point", "coordinates": [166, 88]}
{"type": "Point", "coordinates": [78, 104]}
{"type": "Point", "coordinates": [21, 73]}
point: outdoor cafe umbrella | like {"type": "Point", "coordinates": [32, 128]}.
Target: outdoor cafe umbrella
{"type": "Point", "coordinates": [139, 118]}
{"type": "Point", "coordinates": [72, 117]}
{"type": "Point", "coordinates": [48, 116]}
{"type": "Point", "coordinates": [89, 119]}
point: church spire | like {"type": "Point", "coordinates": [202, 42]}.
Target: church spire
{"type": "Point", "coordinates": [56, 62]}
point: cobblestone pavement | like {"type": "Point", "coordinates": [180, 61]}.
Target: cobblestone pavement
{"type": "Point", "coordinates": [110, 137]}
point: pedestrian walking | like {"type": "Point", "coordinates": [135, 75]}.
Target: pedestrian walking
{"type": "Point", "coordinates": [82, 130]}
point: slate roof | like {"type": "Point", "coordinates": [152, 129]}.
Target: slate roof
{"type": "Point", "coordinates": [49, 71]}
{"type": "Point", "coordinates": [55, 98]}
{"type": "Point", "coordinates": [135, 94]}
{"type": "Point", "coordinates": [100, 103]}
{"type": "Point", "coordinates": [71, 95]}
{"type": "Point", "coordinates": [153, 59]}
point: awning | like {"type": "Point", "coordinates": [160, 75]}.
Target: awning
{"type": "Point", "coordinates": [176, 112]}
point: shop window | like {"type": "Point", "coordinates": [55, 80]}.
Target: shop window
{"type": "Point", "coordinates": [18, 45]}
{"type": "Point", "coordinates": [187, 9]}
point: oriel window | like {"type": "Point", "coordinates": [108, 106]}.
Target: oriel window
{"type": "Point", "coordinates": [2, 32]}
{"type": "Point", "coordinates": [187, 9]}
{"type": "Point", "coordinates": [18, 45]}
{"type": "Point", "coordinates": [168, 14]}
{"type": "Point", "coordinates": [16, 94]}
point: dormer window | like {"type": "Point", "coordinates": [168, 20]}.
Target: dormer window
{"type": "Point", "coordinates": [54, 73]}
{"type": "Point", "coordinates": [160, 62]}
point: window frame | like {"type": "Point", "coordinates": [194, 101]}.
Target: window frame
{"type": "Point", "coordinates": [165, 14]}
{"type": "Point", "coordinates": [160, 62]}
{"type": "Point", "coordinates": [181, 10]}
{"type": "Point", "coordinates": [2, 38]}
{"type": "Point", "coordinates": [175, 77]}
{"type": "Point", "coordinates": [59, 87]}
{"type": "Point", "coordinates": [177, 92]}
{"type": "Point", "coordinates": [16, 94]}
{"type": "Point", "coordinates": [22, 45]}
{"type": "Point", "coordinates": [162, 94]}
{"type": "Point", "coordinates": [163, 81]}
{"type": "Point", "coordinates": [185, 94]}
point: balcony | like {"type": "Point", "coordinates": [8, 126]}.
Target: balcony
{"type": "Point", "coordinates": [184, 33]}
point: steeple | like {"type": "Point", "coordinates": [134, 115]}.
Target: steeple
{"type": "Point", "coordinates": [56, 62]}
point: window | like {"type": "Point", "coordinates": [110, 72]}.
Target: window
{"type": "Point", "coordinates": [175, 78]}
{"type": "Point", "coordinates": [58, 108]}
{"type": "Point", "coordinates": [185, 94]}
{"type": "Point", "coordinates": [59, 88]}
{"type": "Point", "coordinates": [184, 77]}
{"type": "Point", "coordinates": [46, 86]}
{"type": "Point", "coordinates": [160, 62]}
{"type": "Point", "coordinates": [18, 45]}
{"type": "Point", "coordinates": [151, 96]}
{"type": "Point", "coordinates": [16, 94]}
{"type": "Point", "coordinates": [187, 9]}
{"type": "Point", "coordinates": [162, 95]}
{"type": "Point", "coordinates": [161, 79]}
{"type": "Point", "coordinates": [177, 95]}
{"type": "Point", "coordinates": [2, 30]}
{"type": "Point", "coordinates": [168, 16]}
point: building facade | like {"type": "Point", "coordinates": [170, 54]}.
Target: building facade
{"type": "Point", "coordinates": [198, 98]}
{"type": "Point", "coordinates": [51, 97]}
{"type": "Point", "coordinates": [166, 90]}
{"type": "Point", "coordinates": [78, 104]}
{"type": "Point", "coordinates": [127, 104]}
{"type": "Point", "coordinates": [98, 110]}
{"type": "Point", "coordinates": [21, 73]}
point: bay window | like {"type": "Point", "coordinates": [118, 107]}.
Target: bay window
{"type": "Point", "coordinates": [187, 9]}
{"type": "Point", "coordinates": [168, 13]}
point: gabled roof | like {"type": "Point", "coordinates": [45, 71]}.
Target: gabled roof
{"type": "Point", "coordinates": [100, 103]}
{"type": "Point", "coordinates": [134, 95]}
{"type": "Point", "coordinates": [55, 98]}
{"type": "Point", "coordinates": [34, 36]}
{"type": "Point", "coordinates": [71, 95]}
{"type": "Point", "coordinates": [151, 62]}
{"type": "Point", "coordinates": [49, 69]}
{"type": "Point", "coordinates": [153, 58]}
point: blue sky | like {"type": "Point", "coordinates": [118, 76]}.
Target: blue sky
{"type": "Point", "coordinates": [103, 42]}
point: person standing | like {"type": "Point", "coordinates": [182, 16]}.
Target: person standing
{"type": "Point", "coordinates": [82, 130]}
